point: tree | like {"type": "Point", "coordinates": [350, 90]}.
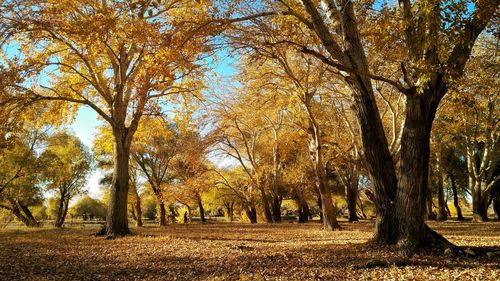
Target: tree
{"type": "Point", "coordinates": [89, 208]}
{"type": "Point", "coordinates": [428, 67]}
{"type": "Point", "coordinates": [476, 101]}
{"type": "Point", "coordinates": [236, 183]}
{"type": "Point", "coordinates": [20, 186]}
{"type": "Point", "coordinates": [191, 169]}
{"type": "Point", "coordinates": [153, 150]}
{"type": "Point", "coordinates": [67, 164]}
{"type": "Point", "coordinates": [117, 57]}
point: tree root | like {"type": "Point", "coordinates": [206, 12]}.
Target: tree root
{"type": "Point", "coordinates": [103, 232]}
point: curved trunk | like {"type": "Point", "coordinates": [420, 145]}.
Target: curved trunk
{"type": "Point", "coordinates": [30, 219]}
{"type": "Point", "coordinates": [16, 211]}
{"type": "Point", "coordinates": [117, 219]}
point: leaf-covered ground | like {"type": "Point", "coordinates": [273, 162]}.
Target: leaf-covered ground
{"type": "Point", "coordinates": [238, 252]}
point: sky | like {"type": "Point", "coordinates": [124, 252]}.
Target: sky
{"type": "Point", "coordinates": [85, 128]}
{"type": "Point", "coordinates": [87, 120]}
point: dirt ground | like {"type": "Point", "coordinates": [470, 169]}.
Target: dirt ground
{"type": "Point", "coordinates": [239, 252]}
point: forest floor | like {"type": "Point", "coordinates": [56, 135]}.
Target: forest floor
{"type": "Point", "coordinates": [221, 251]}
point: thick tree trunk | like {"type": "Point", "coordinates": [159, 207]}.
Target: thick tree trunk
{"type": "Point", "coordinates": [442, 214]}
{"type": "Point", "coordinates": [456, 203]}
{"type": "Point", "coordinates": [304, 212]}
{"type": "Point", "coordinates": [379, 161]}
{"type": "Point", "coordinates": [495, 197]}
{"type": "Point", "coordinates": [117, 217]}
{"type": "Point", "coordinates": [29, 218]}
{"type": "Point", "coordinates": [276, 209]}
{"type": "Point", "coordinates": [479, 207]}
{"type": "Point", "coordinates": [328, 209]}
{"type": "Point", "coordinates": [201, 209]}
{"type": "Point", "coordinates": [230, 211]}
{"type": "Point", "coordinates": [60, 209]}
{"type": "Point", "coordinates": [163, 214]}
{"type": "Point", "coordinates": [496, 206]}
{"type": "Point", "coordinates": [251, 214]}
{"type": "Point", "coordinates": [414, 173]}
{"type": "Point", "coordinates": [16, 211]}
{"type": "Point", "coordinates": [265, 206]}
{"type": "Point", "coordinates": [303, 208]}
{"type": "Point", "coordinates": [351, 193]}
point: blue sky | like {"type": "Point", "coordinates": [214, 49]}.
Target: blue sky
{"type": "Point", "coordinates": [85, 128]}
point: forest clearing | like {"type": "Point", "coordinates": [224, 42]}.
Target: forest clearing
{"type": "Point", "coordinates": [222, 251]}
{"type": "Point", "coordinates": [249, 140]}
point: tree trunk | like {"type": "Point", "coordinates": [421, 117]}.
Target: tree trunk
{"type": "Point", "coordinates": [361, 208]}
{"type": "Point", "coordinates": [455, 197]}
{"type": "Point", "coordinates": [230, 211]}
{"type": "Point", "coordinates": [117, 217]}
{"type": "Point", "coordinates": [379, 161]}
{"type": "Point", "coordinates": [265, 206]}
{"type": "Point", "coordinates": [303, 208]}
{"type": "Point", "coordinates": [442, 213]}
{"type": "Point", "coordinates": [251, 214]}
{"type": "Point", "coordinates": [414, 174]}
{"type": "Point", "coordinates": [276, 209]}
{"type": "Point", "coordinates": [59, 221]}
{"type": "Point", "coordinates": [318, 201]}
{"type": "Point", "coordinates": [351, 193]}
{"type": "Point", "coordinates": [61, 215]}
{"type": "Point", "coordinates": [448, 211]}
{"type": "Point", "coordinates": [496, 206]}
{"type": "Point", "coordinates": [138, 210]}
{"type": "Point", "coordinates": [328, 209]}
{"type": "Point", "coordinates": [15, 210]}
{"type": "Point", "coordinates": [479, 205]}
{"type": "Point", "coordinates": [30, 219]}
{"type": "Point", "coordinates": [429, 213]}
{"type": "Point", "coordinates": [163, 214]}
{"type": "Point", "coordinates": [201, 209]}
